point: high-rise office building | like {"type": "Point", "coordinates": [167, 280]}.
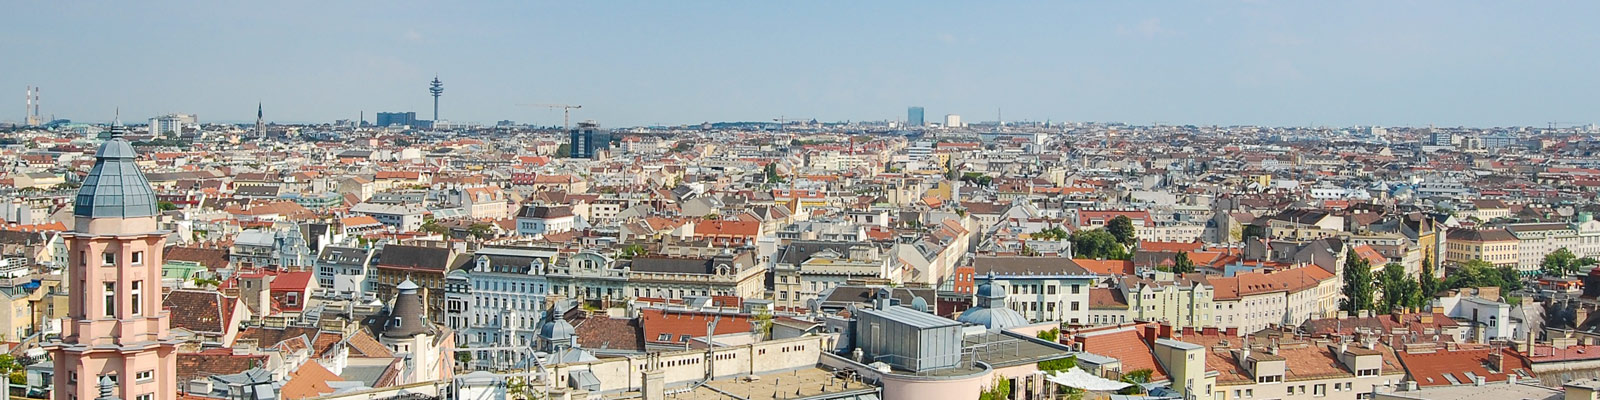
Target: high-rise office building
{"type": "Point", "coordinates": [587, 140]}
{"type": "Point", "coordinates": [914, 116]}
{"type": "Point", "coordinates": [952, 121]}
{"type": "Point", "coordinates": [408, 118]}
{"type": "Point", "coordinates": [116, 340]}
{"type": "Point", "coordinates": [173, 123]}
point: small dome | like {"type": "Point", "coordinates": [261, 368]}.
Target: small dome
{"type": "Point", "coordinates": [986, 291]}
{"type": "Point", "coordinates": [993, 318]}
{"type": "Point", "coordinates": [919, 304]}
{"type": "Point", "coordinates": [557, 329]}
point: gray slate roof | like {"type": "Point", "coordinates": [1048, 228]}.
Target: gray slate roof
{"type": "Point", "coordinates": [115, 188]}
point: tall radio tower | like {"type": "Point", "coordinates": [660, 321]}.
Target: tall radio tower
{"type": "Point", "coordinates": [437, 88]}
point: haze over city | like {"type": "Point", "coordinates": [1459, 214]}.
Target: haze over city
{"type": "Point", "coordinates": [642, 63]}
{"type": "Point", "coordinates": [629, 200]}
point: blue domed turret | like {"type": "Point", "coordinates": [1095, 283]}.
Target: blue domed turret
{"type": "Point", "coordinates": [115, 188]}
{"type": "Point", "coordinates": [991, 311]}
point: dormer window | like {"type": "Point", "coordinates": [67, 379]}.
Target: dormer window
{"type": "Point", "coordinates": [397, 322]}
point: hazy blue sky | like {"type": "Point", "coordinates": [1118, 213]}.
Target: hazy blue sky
{"type": "Point", "coordinates": [630, 63]}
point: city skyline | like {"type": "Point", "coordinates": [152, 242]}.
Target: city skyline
{"type": "Point", "coordinates": [635, 64]}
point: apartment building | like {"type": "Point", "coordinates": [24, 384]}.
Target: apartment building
{"type": "Point", "coordinates": [1253, 301]}
{"type": "Point", "coordinates": [1495, 246]}
{"type": "Point", "coordinates": [1040, 288]}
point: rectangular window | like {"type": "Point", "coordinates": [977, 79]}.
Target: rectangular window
{"type": "Point", "coordinates": [109, 258]}
{"type": "Point", "coordinates": [111, 300]}
{"type": "Point", "coordinates": [146, 396]}
{"type": "Point", "coordinates": [138, 258]}
{"type": "Point", "coordinates": [145, 376]}
{"type": "Point", "coordinates": [136, 294]}
{"type": "Point", "coordinates": [1074, 289]}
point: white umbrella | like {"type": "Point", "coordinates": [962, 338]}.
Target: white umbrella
{"type": "Point", "coordinates": [1078, 378]}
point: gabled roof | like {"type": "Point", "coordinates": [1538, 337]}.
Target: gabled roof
{"type": "Point", "coordinates": [1451, 368]}
{"type": "Point", "coordinates": [677, 325]}
{"type": "Point", "coordinates": [200, 310]}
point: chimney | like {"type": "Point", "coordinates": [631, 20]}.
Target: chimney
{"type": "Point", "coordinates": [1150, 331]}
{"type": "Point", "coordinates": [1497, 361]}
{"type": "Point", "coordinates": [1425, 318]}
{"type": "Point", "coordinates": [1580, 314]}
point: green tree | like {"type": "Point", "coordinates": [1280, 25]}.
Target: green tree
{"type": "Point", "coordinates": [517, 388]}
{"type": "Point", "coordinates": [763, 321]}
{"type": "Point", "coordinates": [1428, 283]}
{"type": "Point", "coordinates": [1479, 273]}
{"type": "Point", "coordinates": [433, 226]}
{"type": "Point", "coordinates": [13, 370]}
{"type": "Point", "coordinates": [1254, 231]}
{"type": "Point", "coordinates": [771, 173]}
{"type": "Point", "coordinates": [1059, 365]}
{"type": "Point", "coordinates": [564, 150]}
{"type": "Point", "coordinates": [1559, 263]}
{"type": "Point", "coordinates": [1001, 390]}
{"type": "Point", "coordinates": [631, 251]}
{"type": "Point", "coordinates": [1137, 378]}
{"type": "Point", "coordinates": [1051, 233]}
{"type": "Point", "coordinates": [1122, 227]}
{"type": "Point", "coordinates": [1182, 265]}
{"type": "Point", "coordinates": [1357, 284]}
{"type": "Point", "coordinates": [1097, 244]}
{"type": "Point", "coordinates": [1400, 290]}
{"type": "Point", "coordinates": [977, 178]}
{"type": "Point", "coordinates": [166, 205]}
{"type": "Point", "coordinates": [481, 230]}
{"type": "Point", "coordinates": [1049, 335]}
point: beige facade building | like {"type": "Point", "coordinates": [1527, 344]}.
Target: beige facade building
{"type": "Point", "coordinates": [1495, 246]}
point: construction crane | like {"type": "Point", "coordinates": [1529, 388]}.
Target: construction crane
{"type": "Point", "coordinates": [785, 120]}
{"type": "Point", "coordinates": [1555, 124]}
{"type": "Point", "coordinates": [566, 112]}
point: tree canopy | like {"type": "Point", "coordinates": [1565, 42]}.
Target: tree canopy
{"type": "Point", "coordinates": [1051, 233]}
{"type": "Point", "coordinates": [1562, 263]}
{"type": "Point", "coordinates": [1182, 265]}
{"type": "Point", "coordinates": [1122, 227]}
{"type": "Point", "coordinates": [1097, 244]}
{"type": "Point", "coordinates": [1428, 284]}
{"type": "Point", "coordinates": [1400, 290]}
{"type": "Point", "coordinates": [1479, 273]}
{"type": "Point", "coordinates": [1357, 284]}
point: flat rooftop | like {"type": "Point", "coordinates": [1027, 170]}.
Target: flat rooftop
{"type": "Point", "coordinates": [1000, 350]}
{"type": "Point", "coordinates": [808, 383]}
{"type": "Point", "coordinates": [1469, 392]}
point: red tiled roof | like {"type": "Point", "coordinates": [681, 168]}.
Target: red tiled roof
{"type": "Point", "coordinates": [200, 310]}
{"type": "Point", "coordinates": [310, 380]}
{"type": "Point", "coordinates": [1106, 267]}
{"type": "Point", "coordinates": [1429, 369]}
{"type": "Point", "coordinates": [1128, 345]}
{"type": "Point", "coordinates": [1170, 246]}
{"type": "Point", "coordinates": [727, 228]}
{"type": "Point", "coordinates": [678, 324]}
